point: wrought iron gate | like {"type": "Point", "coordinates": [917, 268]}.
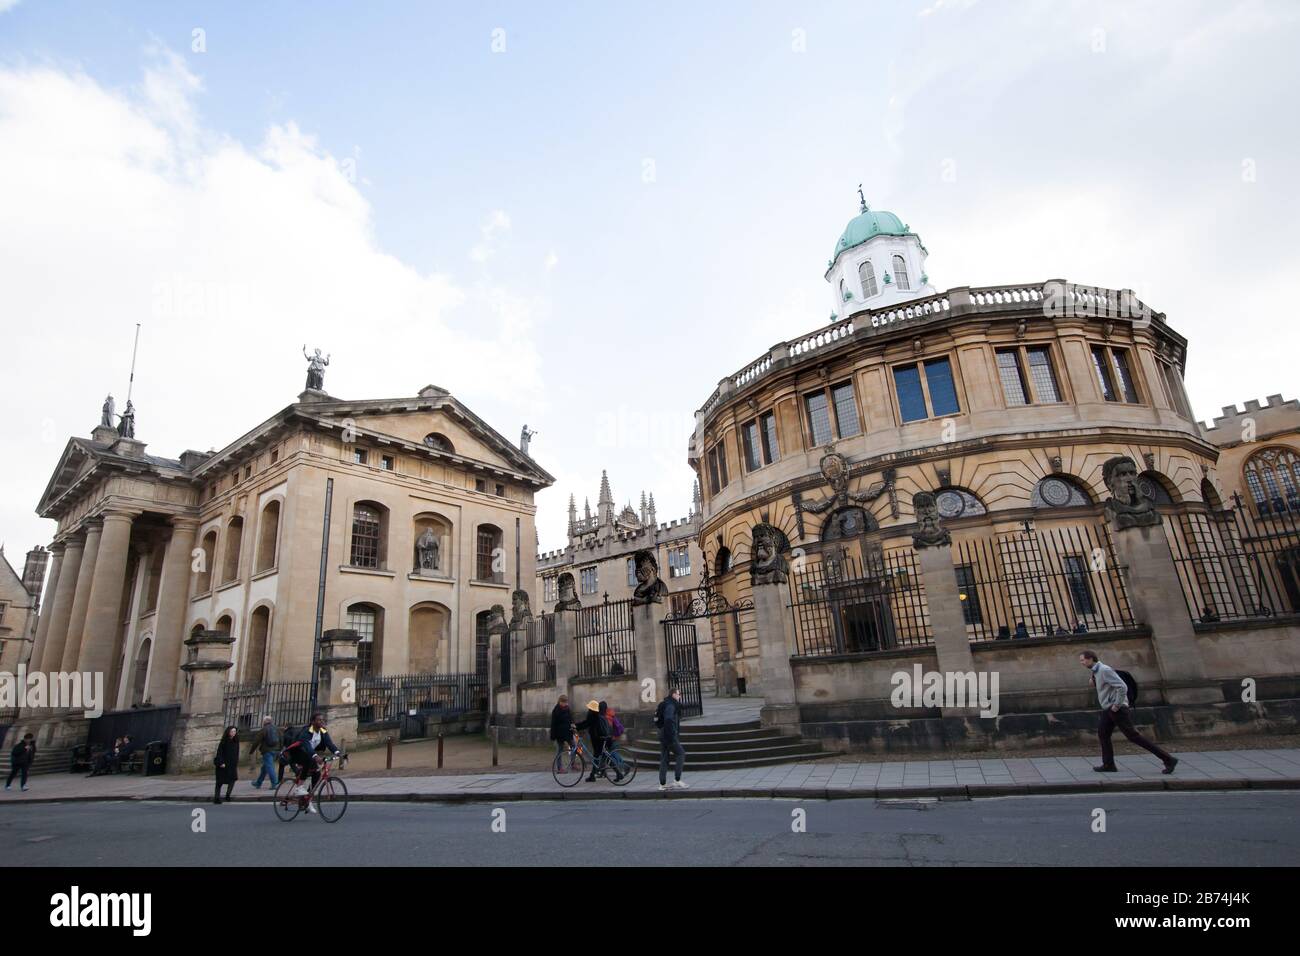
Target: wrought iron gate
{"type": "Point", "coordinates": [684, 665]}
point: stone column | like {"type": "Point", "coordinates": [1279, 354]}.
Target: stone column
{"type": "Point", "coordinates": [173, 602]}
{"type": "Point", "coordinates": [336, 693]}
{"type": "Point", "coordinates": [81, 597]}
{"type": "Point", "coordinates": [1155, 595]}
{"type": "Point", "coordinates": [123, 672]}
{"type": "Point", "coordinates": [43, 625]}
{"type": "Point", "coordinates": [651, 656]}
{"type": "Point", "coordinates": [776, 642]}
{"type": "Point", "coordinates": [104, 608]}
{"type": "Point", "coordinates": [202, 720]}
{"type": "Point", "coordinates": [566, 654]}
{"type": "Point", "coordinates": [947, 622]}
{"type": "Point", "coordinates": [494, 674]}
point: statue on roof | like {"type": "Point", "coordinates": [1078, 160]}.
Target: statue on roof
{"type": "Point", "coordinates": [525, 437]}
{"type": "Point", "coordinates": [126, 427]}
{"type": "Point", "coordinates": [107, 413]}
{"type": "Point", "coordinates": [315, 369]}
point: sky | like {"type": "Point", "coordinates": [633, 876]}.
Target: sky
{"type": "Point", "coordinates": [582, 216]}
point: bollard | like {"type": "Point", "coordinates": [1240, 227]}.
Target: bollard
{"type": "Point", "coordinates": [495, 732]}
{"type": "Point", "coordinates": [390, 753]}
{"type": "Point", "coordinates": [440, 751]}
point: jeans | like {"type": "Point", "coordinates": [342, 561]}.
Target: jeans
{"type": "Point", "coordinates": [268, 770]}
{"type": "Point", "coordinates": [670, 743]}
{"type": "Point", "coordinates": [20, 771]}
{"type": "Point", "coordinates": [1124, 721]}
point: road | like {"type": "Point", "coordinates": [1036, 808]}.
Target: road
{"type": "Point", "coordinates": [1155, 829]}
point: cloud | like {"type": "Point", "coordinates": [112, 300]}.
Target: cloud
{"type": "Point", "coordinates": [497, 224]}
{"type": "Point", "coordinates": [120, 206]}
{"type": "Point", "coordinates": [7, 5]}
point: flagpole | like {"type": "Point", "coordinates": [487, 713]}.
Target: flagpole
{"type": "Point", "coordinates": [134, 349]}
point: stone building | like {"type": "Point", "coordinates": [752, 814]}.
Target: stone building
{"type": "Point", "coordinates": [406, 519]}
{"type": "Point", "coordinates": [1004, 403]}
{"type": "Point", "coordinates": [20, 599]}
{"type": "Point", "coordinates": [601, 547]}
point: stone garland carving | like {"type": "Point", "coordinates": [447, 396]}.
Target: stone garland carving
{"type": "Point", "coordinates": [520, 611]}
{"type": "Point", "coordinates": [650, 590]}
{"type": "Point", "coordinates": [1127, 507]}
{"type": "Point", "coordinates": [568, 593]}
{"type": "Point", "coordinates": [767, 563]}
{"type": "Point", "coordinates": [929, 532]}
{"type": "Point", "coordinates": [845, 520]}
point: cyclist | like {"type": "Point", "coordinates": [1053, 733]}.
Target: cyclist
{"type": "Point", "coordinates": [302, 754]}
{"type": "Point", "coordinates": [562, 729]}
{"type": "Point", "coordinates": [597, 727]}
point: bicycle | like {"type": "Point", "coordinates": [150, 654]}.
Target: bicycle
{"type": "Point", "coordinates": [569, 768]}
{"type": "Point", "coordinates": [330, 793]}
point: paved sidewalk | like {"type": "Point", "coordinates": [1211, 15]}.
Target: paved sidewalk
{"type": "Point", "coordinates": [823, 779]}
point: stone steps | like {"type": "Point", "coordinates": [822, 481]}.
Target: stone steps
{"type": "Point", "coordinates": [729, 746]}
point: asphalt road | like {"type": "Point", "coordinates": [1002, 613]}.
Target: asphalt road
{"type": "Point", "coordinates": [1156, 829]}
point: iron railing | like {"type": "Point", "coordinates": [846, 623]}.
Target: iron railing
{"type": "Point", "coordinates": [539, 650]}
{"type": "Point", "coordinates": [847, 606]}
{"type": "Point", "coordinates": [1041, 583]}
{"type": "Point", "coordinates": [604, 640]}
{"type": "Point", "coordinates": [392, 697]}
{"type": "Point", "coordinates": [287, 702]}
{"type": "Point", "coordinates": [1234, 565]}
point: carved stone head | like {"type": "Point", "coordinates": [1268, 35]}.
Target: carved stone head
{"type": "Point", "coordinates": [649, 590]}
{"type": "Point", "coordinates": [1127, 507]}
{"type": "Point", "coordinates": [568, 593]}
{"type": "Point", "coordinates": [520, 612]}
{"type": "Point", "coordinates": [767, 564]}
{"type": "Point", "coordinates": [835, 469]}
{"type": "Point", "coordinates": [929, 533]}
{"type": "Point", "coordinates": [496, 622]}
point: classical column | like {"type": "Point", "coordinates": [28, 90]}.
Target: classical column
{"type": "Point", "coordinates": [43, 625]}
{"type": "Point", "coordinates": [173, 602]}
{"type": "Point", "coordinates": [651, 657]}
{"type": "Point", "coordinates": [119, 680]}
{"type": "Point", "coordinates": [566, 654]}
{"type": "Point", "coordinates": [776, 642]}
{"type": "Point", "coordinates": [202, 720]}
{"type": "Point", "coordinates": [81, 598]}
{"type": "Point", "coordinates": [104, 609]}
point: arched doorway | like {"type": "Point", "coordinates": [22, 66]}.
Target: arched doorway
{"type": "Point", "coordinates": [427, 633]}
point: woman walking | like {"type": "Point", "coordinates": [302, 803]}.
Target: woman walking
{"type": "Point", "coordinates": [227, 763]}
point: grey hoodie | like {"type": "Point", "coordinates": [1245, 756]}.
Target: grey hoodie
{"type": "Point", "coordinates": [1111, 689]}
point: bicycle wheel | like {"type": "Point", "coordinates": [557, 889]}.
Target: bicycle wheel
{"type": "Point", "coordinates": [332, 800]}
{"type": "Point", "coordinates": [567, 769]}
{"type": "Point", "coordinates": [287, 806]}
{"type": "Point", "coordinates": [622, 760]}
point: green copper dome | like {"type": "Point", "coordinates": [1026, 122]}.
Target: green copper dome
{"type": "Point", "coordinates": [867, 225]}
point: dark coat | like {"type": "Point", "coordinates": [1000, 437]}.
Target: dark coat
{"type": "Point", "coordinates": [303, 742]}
{"type": "Point", "coordinates": [23, 754]}
{"type": "Point", "coordinates": [668, 718]}
{"type": "Point", "coordinates": [561, 720]}
{"type": "Point", "coordinates": [226, 761]}
{"type": "Point", "coordinates": [596, 726]}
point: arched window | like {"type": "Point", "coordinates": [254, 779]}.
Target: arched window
{"type": "Point", "coordinates": [368, 621]}
{"type": "Point", "coordinates": [1210, 495]}
{"type": "Point", "coordinates": [1273, 477]}
{"type": "Point", "coordinates": [722, 563]}
{"type": "Point", "coordinates": [259, 627]}
{"type": "Point", "coordinates": [489, 556]}
{"type": "Point", "coordinates": [631, 572]}
{"type": "Point", "coordinates": [482, 642]}
{"type": "Point", "coordinates": [369, 535]}
{"type": "Point", "coordinates": [234, 542]}
{"type": "Point", "coordinates": [439, 442]}
{"type": "Point", "coordinates": [900, 275]}
{"type": "Point", "coordinates": [867, 276]}
{"type": "Point", "coordinates": [958, 503]}
{"type": "Point", "coordinates": [1059, 491]}
{"type": "Point", "coordinates": [140, 679]}
{"type": "Point", "coordinates": [209, 547]}
{"type": "Point", "coordinates": [268, 536]}
{"type": "Point", "coordinates": [225, 624]}
{"type": "Point", "coordinates": [1155, 486]}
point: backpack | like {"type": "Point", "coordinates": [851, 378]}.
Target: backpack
{"type": "Point", "coordinates": [659, 715]}
{"type": "Point", "coordinates": [1132, 687]}
{"type": "Point", "coordinates": [616, 728]}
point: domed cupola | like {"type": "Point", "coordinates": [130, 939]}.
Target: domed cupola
{"type": "Point", "coordinates": [877, 262]}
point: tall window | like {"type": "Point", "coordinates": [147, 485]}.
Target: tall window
{"type": "Point", "coordinates": [489, 563]}
{"type": "Point", "coordinates": [969, 595]}
{"type": "Point", "coordinates": [718, 466]}
{"type": "Point", "coordinates": [631, 572]}
{"type": "Point", "coordinates": [759, 438]}
{"type": "Point", "coordinates": [360, 456]}
{"type": "Point", "coordinates": [482, 643]}
{"type": "Point", "coordinates": [1041, 374]}
{"type": "Point", "coordinates": [209, 546]}
{"type": "Point", "coordinates": [267, 535]}
{"type": "Point", "coordinates": [926, 390]}
{"type": "Point", "coordinates": [362, 618]}
{"type": "Point", "coordinates": [549, 589]}
{"type": "Point", "coordinates": [679, 562]}
{"type": "Point", "coordinates": [1014, 389]}
{"type": "Point", "coordinates": [1076, 576]}
{"type": "Point", "coordinates": [1114, 376]}
{"type": "Point", "coordinates": [365, 536]}
{"type": "Point", "coordinates": [1174, 389]}
{"type": "Point", "coordinates": [819, 405]}
{"type": "Point", "coordinates": [1273, 477]}
{"type": "Point", "coordinates": [900, 274]}
{"type": "Point", "coordinates": [867, 276]}
{"type": "Point", "coordinates": [234, 542]}
{"type": "Point", "coordinates": [588, 579]}
{"type": "Point", "coordinates": [1021, 389]}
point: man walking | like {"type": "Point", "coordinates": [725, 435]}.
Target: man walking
{"type": "Point", "coordinates": [668, 718]}
{"type": "Point", "coordinates": [1112, 694]}
{"type": "Point", "coordinates": [267, 743]}
{"type": "Point", "coordinates": [20, 761]}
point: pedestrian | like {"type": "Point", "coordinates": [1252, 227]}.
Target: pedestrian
{"type": "Point", "coordinates": [598, 730]}
{"type": "Point", "coordinates": [124, 752]}
{"type": "Point", "coordinates": [226, 763]}
{"type": "Point", "coordinates": [562, 729]}
{"type": "Point", "coordinates": [267, 743]}
{"type": "Point", "coordinates": [20, 761]}
{"type": "Point", "coordinates": [1112, 695]}
{"type": "Point", "coordinates": [668, 718]}
{"type": "Point", "coordinates": [1022, 632]}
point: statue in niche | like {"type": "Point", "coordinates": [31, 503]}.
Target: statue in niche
{"type": "Point", "coordinates": [847, 518]}
{"type": "Point", "coordinates": [520, 611]}
{"type": "Point", "coordinates": [767, 564]}
{"type": "Point", "coordinates": [427, 551]}
{"type": "Point", "coordinates": [1127, 507]}
{"type": "Point", "coordinates": [929, 532]}
{"type": "Point", "coordinates": [650, 589]}
{"type": "Point", "coordinates": [315, 369]}
{"type": "Point", "coordinates": [568, 593]}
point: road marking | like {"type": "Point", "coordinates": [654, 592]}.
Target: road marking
{"type": "Point", "coordinates": [39, 839]}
